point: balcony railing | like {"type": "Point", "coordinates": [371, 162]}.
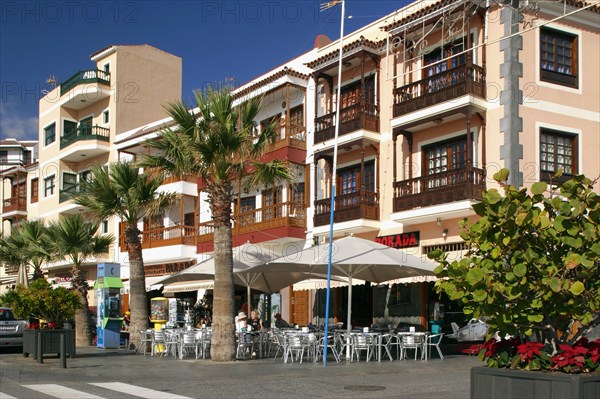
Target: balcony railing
{"type": "Point", "coordinates": [352, 118]}
{"type": "Point", "coordinates": [440, 188]}
{"type": "Point", "coordinates": [85, 133]}
{"type": "Point", "coordinates": [83, 77]}
{"type": "Point", "coordinates": [12, 204]}
{"type": "Point", "coordinates": [66, 193]}
{"type": "Point", "coordinates": [177, 179]}
{"type": "Point", "coordinates": [357, 205]}
{"type": "Point", "coordinates": [293, 136]}
{"type": "Point", "coordinates": [164, 236]}
{"type": "Point", "coordinates": [435, 89]}
{"type": "Point", "coordinates": [279, 215]}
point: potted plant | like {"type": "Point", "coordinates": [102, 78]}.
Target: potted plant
{"type": "Point", "coordinates": [47, 309]}
{"type": "Point", "coordinates": [533, 271]}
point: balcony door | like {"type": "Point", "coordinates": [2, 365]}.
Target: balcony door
{"type": "Point", "coordinates": [350, 98]}
{"type": "Point", "coordinates": [85, 125]}
{"type": "Point", "coordinates": [442, 158]}
{"type": "Point", "coordinates": [451, 62]}
{"type": "Point", "coordinates": [153, 227]}
{"type": "Point", "coordinates": [272, 200]}
{"type": "Point", "coordinates": [349, 183]}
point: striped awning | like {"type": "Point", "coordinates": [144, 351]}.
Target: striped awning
{"type": "Point", "coordinates": [189, 286]}
{"type": "Point", "coordinates": [317, 283]}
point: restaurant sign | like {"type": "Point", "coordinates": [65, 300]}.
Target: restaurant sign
{"type": "Point", "coordinates": [403, 240]}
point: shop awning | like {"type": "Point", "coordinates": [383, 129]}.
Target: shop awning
{"type": "Point", "coordinates": [317, 283]}
{"type": "Point", "coordinates": [108, 282]}
{"type": "Point", "coordinates": [189, 286]}
{"type": "Point", "coordinates": [410, 280]}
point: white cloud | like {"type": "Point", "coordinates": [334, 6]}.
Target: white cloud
{"type": "Point", "coordinates": [14, 125]}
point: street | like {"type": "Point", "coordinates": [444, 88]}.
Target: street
{"type": "Point", "coordinates": [101, 373]}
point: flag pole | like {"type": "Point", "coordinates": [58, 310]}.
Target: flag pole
{"type": "Point", "coordinates": [333, 178]}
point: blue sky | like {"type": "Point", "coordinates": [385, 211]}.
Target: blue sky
{"type": "Point", "coordinates": [216, 40]}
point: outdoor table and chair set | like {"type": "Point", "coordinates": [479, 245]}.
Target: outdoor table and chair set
{"type": "Point", "coordinates": [295, 345]}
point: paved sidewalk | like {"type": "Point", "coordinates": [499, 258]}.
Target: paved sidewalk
{"type": "Point", "coordinates": [265, 378]}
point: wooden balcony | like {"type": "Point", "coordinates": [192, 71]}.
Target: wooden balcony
{"type": "Point", "coordinates": [440, 188]}
{"type": "Point", "coordinates": [85, 77]}
{"type": "Point", "coordinates": [441, 87]}
{"type": "Point", "coordinates": [353, 206]}
{"type": "Point", "coordinates": [177, 179]}
{"type": "Point", "coordinates": [164, 236]}
{"type": "Point", "coordinates": [85, 133]}
{"type": "Point", "coordinates": [13, 204]}
{"type": "Point", "coordinates": [289, 214]}
{"type": "Point", "coordinates": [294, 136]}
{"type": "Point", "coordinates": [353, 118]}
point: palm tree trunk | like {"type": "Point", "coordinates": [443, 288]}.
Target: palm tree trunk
{"type": "Point", "coordinates": [137, 287]}
{"type": "Point", "coordinates": [83, 332]}
{"type": "Point", "coordinates": [223, 338]}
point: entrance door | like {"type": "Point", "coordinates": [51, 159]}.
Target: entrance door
{"type": "Point", "coordinates": [300, 307]}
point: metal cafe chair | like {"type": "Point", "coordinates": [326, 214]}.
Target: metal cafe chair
{"type": "Point", "coordinates": [145, 340]}
{"type": "Point", "coordinates": [362, 342]}
{"type": "Point", "coordinates": [331, 347]}
{"type": "Point", "coordinates": [434, 341]}
{"type": "Point", "coordinates": [413, 341]}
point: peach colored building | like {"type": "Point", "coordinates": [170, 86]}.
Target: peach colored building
{"type": "Point", "coordinates": [125, 86]}
{"type": "Point", "coordinates": [435, 98]}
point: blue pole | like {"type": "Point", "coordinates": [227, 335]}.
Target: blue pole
{"type": "Point", "coordinates": [333, 179]}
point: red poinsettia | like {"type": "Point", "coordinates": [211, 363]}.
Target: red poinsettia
{"type": "Point", "coordinates": [528, 350]}
{"type": "Point", "coordinates": [584, 356]}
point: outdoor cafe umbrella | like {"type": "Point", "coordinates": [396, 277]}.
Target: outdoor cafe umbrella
{"type": "Point", "coordinates": [355, 257]}
{"type": "Point", "coordinates": [245, 258]}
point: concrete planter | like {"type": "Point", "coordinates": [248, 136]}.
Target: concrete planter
{"type": "Point", "coordinates": [50, 342]}
{"type": "Point", "coordinates": [496, 383]}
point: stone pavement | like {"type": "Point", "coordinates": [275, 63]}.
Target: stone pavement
{"type": "Point", "coordinates": [264, 378]}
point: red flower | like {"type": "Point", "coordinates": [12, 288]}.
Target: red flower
{"type": "Point", "coordinates": [529, 350]}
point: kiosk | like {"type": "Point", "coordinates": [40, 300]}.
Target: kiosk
{"type": "Point", "coordinates": [108, 290]}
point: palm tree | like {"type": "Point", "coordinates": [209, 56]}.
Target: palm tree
{"type": "Point", "coordinates": [27, 246]}
{"type": "Point", "coordinates": [122, 191]}
{"type": "Point", "coordinates": [219, 144]}
{"type": "Point", "coordinates": [74, 238]}
{"type": "Point", "coordinates": [36, 240]}
{"type": "Point", "coordinates": [12, 252]}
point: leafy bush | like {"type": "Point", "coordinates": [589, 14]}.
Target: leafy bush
{"type": "Point", "coordinates": [532, 265]}
{"type": "Point", "coordinates": [41, 301]}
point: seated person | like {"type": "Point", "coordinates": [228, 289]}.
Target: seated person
{"type": "Point", "coordinates": [240, 322]}
{"type": "Point", "coordinates": [280, 323]}
{"type": "Point", "coordinates": [255, 322]}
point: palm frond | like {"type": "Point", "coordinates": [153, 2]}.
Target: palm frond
{"type": "Point", "coordinates": [268, 174]}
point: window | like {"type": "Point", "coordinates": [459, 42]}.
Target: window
{"type": "Point", "coordinates": [3, 156]}
{"type": "Point", "coordinates": [50, 134]}
{"type": "Point", "coordinates": [106, 67]}
{"type": "Point", "coordinates": [105, 118]}
{"type": "Point", "coordinates": [34, 190]}
{"type": "Point", "coordinates": [69, 182]}
{"type": "Point", "coordinates": [104, 227]}
{"type": "Point", "coordinates": [69, 128]}
{"type": "Point", "coordinates": [49, 186]}
{"type": "Point", "coordinates": [84, 176]}
{"type": "Point", "coordinates": [442, 158]}
{"type": "Point", "coordinates": [558, 150]}
{"type": "Point", "coordinates": [558, 57]}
